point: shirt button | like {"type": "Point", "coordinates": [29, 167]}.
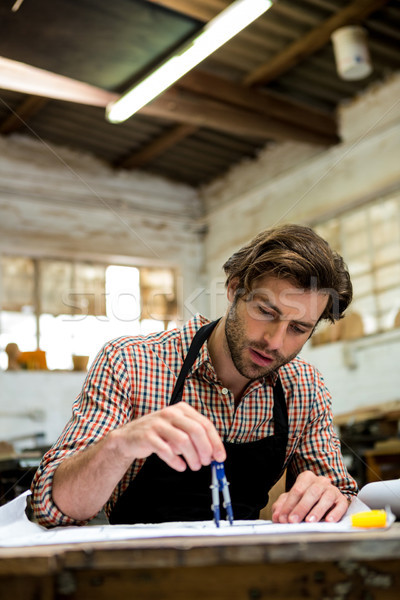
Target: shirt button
{"type": "Point", "coordinates": [225, 391]}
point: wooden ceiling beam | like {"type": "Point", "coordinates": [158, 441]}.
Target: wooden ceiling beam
{"type": "Point", "coordinates": [27, 79]}
{"type": "Point", "coordinates": [183, 107]}
{"type": "Point", "coordinates": [157, 147]}
{"type": "Point", "coordinates": [282, 62]}
{"type": "Point", "coordinates": [288, 111]}
{"type": "Point", "coordinates": [18, 118]}
{"type": "Point", "coordinates": [321, 129]}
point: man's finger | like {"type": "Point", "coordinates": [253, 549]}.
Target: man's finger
{"type": "Point", "coordinates": [165, 453]}
{"type": "Point", "coordinates": [194, 440]}
{"type": "Point", "coordinates": [311, 498]}
{"type": "Point", "coordinates": [218, 450]}
{"type": "Point", "coordinates": [338, 511]}
{"type": "Point", "coordinates": [290, 501]}
{"type": "Point", "coordinates": [313, 511]}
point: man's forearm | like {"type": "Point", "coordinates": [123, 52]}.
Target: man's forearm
{"type": "Point", "coordinates": [84, 482]}
{"type": "Point", "coordinates": [181, 436]}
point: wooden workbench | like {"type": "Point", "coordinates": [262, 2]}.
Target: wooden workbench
{"type": "Point", "coordinates": [359, 565]}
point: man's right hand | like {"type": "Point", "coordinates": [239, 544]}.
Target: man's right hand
{"type": "Point", "coordinates": [174, 433]}
{"type": "Point", "coordinates": [178, 434]}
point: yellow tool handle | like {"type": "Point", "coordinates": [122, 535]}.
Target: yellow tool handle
{"type": "Point", "coordinates": [371, 518]}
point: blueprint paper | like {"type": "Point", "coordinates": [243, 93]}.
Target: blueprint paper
{"type": "Point", "coordinates": [17, 531]}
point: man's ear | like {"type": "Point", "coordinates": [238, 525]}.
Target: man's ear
{"type": "Point", "coordinates": [232, 288]}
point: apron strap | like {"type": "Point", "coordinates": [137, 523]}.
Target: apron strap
{"type": "Point", "coordinates": [280, 408]}
{"type": "Point", "coordinates": [201, 335]}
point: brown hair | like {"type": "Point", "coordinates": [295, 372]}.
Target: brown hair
{"type": "Point", "coordinates": [298, 254]}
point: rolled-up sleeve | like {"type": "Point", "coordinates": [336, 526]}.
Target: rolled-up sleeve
{"type": "Point", "coordinates": [103, 404]}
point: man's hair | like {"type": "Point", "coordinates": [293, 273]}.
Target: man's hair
{"type": "Point", "coordinates": [301, 256]}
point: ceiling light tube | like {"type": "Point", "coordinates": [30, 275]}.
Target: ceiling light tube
{"type": "Point", "coordinates": [219, 30]}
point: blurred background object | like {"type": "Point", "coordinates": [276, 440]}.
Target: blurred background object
{"type": "Point", "coordinates": [80, 362]}
{"type": "Point", "coordinates": [13, 354]}
{"type": "Point", "coordinates": [33, 360]}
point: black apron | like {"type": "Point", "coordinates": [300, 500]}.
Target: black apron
{"type": "Point", "coordinates": [160, 494]}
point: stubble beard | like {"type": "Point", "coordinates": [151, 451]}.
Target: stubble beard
{"type": "Point", "coordinates": [237, 344]}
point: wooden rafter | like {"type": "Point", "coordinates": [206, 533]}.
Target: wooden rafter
{"type": "Point", "coordinates": [264, 116]}
{"type": "Point", "coordinates": [266, 103]}
{"type": "Point", "coordinates": [24, 78]}
{"type": "Point", "coordinates": [17, 119]}
{"type": "Point", "coordinates": [183, 107]}
{"type": "Point", "coordinates": [157, 146]}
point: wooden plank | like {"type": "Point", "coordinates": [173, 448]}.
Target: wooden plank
{"type": "Point", "coordinates": [32, 561]}
{"type": "Point", "coordinates": [289, 117]}
{"type": "Point", "coordinates": [24, 587]}
{"type": "Point", "coordinates": [345, 578]}
{"type": "Point", "coordinates": [18, 118]}
{"type": "Point", "coordinates": [157, 146]}
{"type": "Point", "coordinates": [311, 42]}
{"type": "Point", "coordinates": [203, 551]}
{"type": "Point", "coordinates": [38, 82]}
{"type": "Point", "coordinates": [266, 103]}
{"type": "Point", "coordinates": [238, 582]}
{"type": "Point", "coordinates": [203, 112]}
{"type": "Point", "coordinates": [295, 566]}
{"type": "Point", "coordinates": [381, 410]}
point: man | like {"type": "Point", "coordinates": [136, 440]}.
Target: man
{"type": "Point", "coordinates": [155, 411]}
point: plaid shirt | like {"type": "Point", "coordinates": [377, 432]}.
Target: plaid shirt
{"type": "Point", "coordinates": [133, 376]}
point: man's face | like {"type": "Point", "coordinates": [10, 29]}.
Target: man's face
{"type": "Point", "coordinates": [267, 328]}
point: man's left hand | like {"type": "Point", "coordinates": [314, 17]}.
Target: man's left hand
{"type": "Point", "coordinates": [312, 498]}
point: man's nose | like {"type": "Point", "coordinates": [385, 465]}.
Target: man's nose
{"type": "Point", "coordinates": [275, 334]}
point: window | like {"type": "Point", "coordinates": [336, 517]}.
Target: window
{"type": "Point", "coordinates": [71, 309]}
{"type": "Point", "coordinates": [368, 238]}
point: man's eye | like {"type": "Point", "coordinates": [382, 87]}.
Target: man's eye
{"type": "Point", "coordinates": [265, 313]}
{"type": "Point", "coordinates": [297, 329]}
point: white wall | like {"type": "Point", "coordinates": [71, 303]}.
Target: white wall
{"type": "Point", "coordinates": [56, 202]}
{"type": "Point", "coordinates": [359, 373]}
{"type": "Point", "coordinates": [294, 182]}
{"type": "Point", "coordinates": [36, 402]}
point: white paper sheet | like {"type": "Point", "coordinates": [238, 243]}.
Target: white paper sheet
{"type": "Point", "coordinates": [14, 523]}
{"type": "Point", "coordinates": [17, 531]}
{"type": "Point", "coordinates": [379, 494]}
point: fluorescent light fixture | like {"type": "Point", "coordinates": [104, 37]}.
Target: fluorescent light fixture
{"type": "Point", "coordinates": [219, 30]}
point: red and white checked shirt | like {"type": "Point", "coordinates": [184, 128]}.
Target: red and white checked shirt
{"type": "Point", "coordinates": [132, 376]}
